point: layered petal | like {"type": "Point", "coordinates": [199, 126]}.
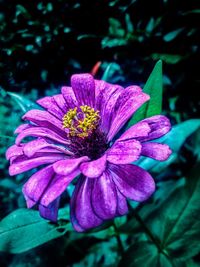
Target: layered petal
{"type": "Point", "coordinates": [84, 89]}
{"type": "Point", "coordinates": [22, 163]}
{"type": "Point", "coordinates": [106, 104]}
{"type": "Point", "coordinates": [100, 86]}
{"type": "Point", "coordinates": [32, 147]}
{"type": "Point", "coordinates": [73, 218]}
{"type": "Point", "coordinates": [22, 127]}
{"type": "Point", "coordinates": [50, 212]}
{"type": "Point", "coordinates": [14, 151]}
{"type": "Point", "coordinates": [45, 119]}
{"type": "Point", "coordinates": [128, 102]}
{"type": "Point", "coordinates": [57, 186]}
{"type": "Point", "coordinates": [51, 106]}
{"type": "Point", "coordinates": [82, 213]}
{"type": "Point", "coordinates": [156, 151]}
{"type": "Point", "coordinates": [95, 168]}
{"type": "Point", "coordinates": [133, 182]}
{"type": "Point", "coordinates": [65, 167]}
{"type": "Point", "coordinates": [41, 145]}
{"type": "Point", "coordinates": [29, 202]}
{"type": "Point", "coordinates": [104, 197]}
{"type": "Point", "coordinates": [123, 152]}
{"type": "Point", "coordinates": [41, 132]}
{"type": "Point", "coordinates": [122, 207]}
{"type": "Point", "coordinates": [159, 124]}
{"type": "Point", "coordinates": [45, 186]}
{"type": "Point", "coordinates": [69, 96]}
{"type": "Point", "coordinates": [36, 185]}
{"type": "Point", "coordinates": [140, 129]}
{"type": "Point", "coordinates": [61, 103]}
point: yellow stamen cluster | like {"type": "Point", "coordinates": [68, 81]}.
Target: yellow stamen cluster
{"type": "Point", "coordinates": [84, 126]}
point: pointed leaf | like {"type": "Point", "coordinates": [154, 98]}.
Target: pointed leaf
{"type": "Point", "coordinates": [153, 87]}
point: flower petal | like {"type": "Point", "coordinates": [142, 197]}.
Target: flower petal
{"type": "Point", "coordinates": [122, 207]}
{"type": "Point", "coordinates": [104, 197]}
{"type": "Point", "coordinates": [50, 212]}
{"type": "Point", "coordinates": [41, 145]}
{"type": "Point", "coordinates": [51, 106]}
{"type": "Point", "coordinates": [14, 151]}
{"type": "Point", "coordinates": [106, 103]}
{"type": "Point", "coordinates": [84, 89]}
{"type": "Point", "coordinates": [60, 102]}
{"type": "Point", "coordinates": [45, 119]}
{"type": "Point", "coordinates": [133, 182]}
{"type": "Point", "coordinates": [73, 218]}
{"type": "Point", "coordinates": [56, 187]}
{"type": "Point", "coordinates": [128, 102]}
{"type": "Point", "coordinates": [156, 151]}
{"type": "Point", "coordinates": [32, 147]}
{"type": "Point", "coordinates": [159, 124]}
{"type": "Point", "coordinates": [100, 86]}
{"type": "Point", "coordinates": [36, 185]}
{"type": "Point", "coordinates": [69, 97]}
{"type": "Point", "coordinates": [81, 201]}
{"type": "Point", "coordinates": [65, 167]}
{"type": "Point", "coordinates": [140, 129]}
{"type": "Point", "coordinates": [41, 132]}
{"type": "Point", "coordinates": [123, 152]}
{"type": "Point", "coordinates": [95, 168]}
{"type": "Point", "coordinates": [24, 164]}
{"type": "Point", "coordinates": [22, 127]}
{"type": "Point", "coordinates": [29, 202]}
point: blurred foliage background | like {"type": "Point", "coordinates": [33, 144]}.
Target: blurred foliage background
{"type": "Point", "coordinates": [42, 43]}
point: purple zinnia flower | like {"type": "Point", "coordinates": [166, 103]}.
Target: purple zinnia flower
{"type": "Point", "coordinates": [74, 136]}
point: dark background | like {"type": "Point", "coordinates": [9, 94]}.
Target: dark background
{"type": "Point", "coordinates": [44, 42]}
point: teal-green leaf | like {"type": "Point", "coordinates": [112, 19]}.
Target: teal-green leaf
{"type": "Point", "coordinates": [172, 35]}
{"type": "Point", "coordinates": [24, 229]}
{"type": "Point", "coordinates": [176, 224]}
{"type": "Point", "coordinates": [144, 254]}
{"type": "Point", "coordinates": [24, 103]}
{"type": "Point", "coordinates": [154, 88]}
{"type": "Point", "coordinates": [168, 58]}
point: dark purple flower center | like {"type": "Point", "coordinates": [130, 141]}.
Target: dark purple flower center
{"type": "Point", "coordinates": [86, 139]}
{"type": "Point", "coordinates": [92, 146]}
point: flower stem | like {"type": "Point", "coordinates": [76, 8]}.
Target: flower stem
{"type": "Point", "coordinates": [119, 242]}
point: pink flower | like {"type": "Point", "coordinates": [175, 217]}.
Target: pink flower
{"type": "Point", "coordinates": [74, 136]}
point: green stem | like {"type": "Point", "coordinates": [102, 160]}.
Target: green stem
{"type": "Point", "coordinates": [119, 242]}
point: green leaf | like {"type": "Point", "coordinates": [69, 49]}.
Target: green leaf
{"type": "Point", "coordinates": [113, 42]}
{"type": "Point", "coordinates": [173, 226]}
{"type": "Point", "coordinates": [177, 222]}
{"type": "Point", "coordinates": [194, 11]}
{"type": "Point", "coordinates": [175, 139]}
{"type": "Point", "coordinates": [153, 88]}
{"type": "Point", "coordinates": [168, 58]}
{"type": "Point", "coordinates": [172, 35]}
{"type": "Point", "coordinates": [115, 28]}
{"type": "Point", "coordinates": [144, 254]}
{"type": "Point", "coordinates": [24, 103]}
{"type": "Point", "coordinates": [24, 229]}
{"type": "Point", "coordinates": [110, 70]}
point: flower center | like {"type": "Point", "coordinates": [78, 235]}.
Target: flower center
{"type": "Point", "coordinates": [81, 121]}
